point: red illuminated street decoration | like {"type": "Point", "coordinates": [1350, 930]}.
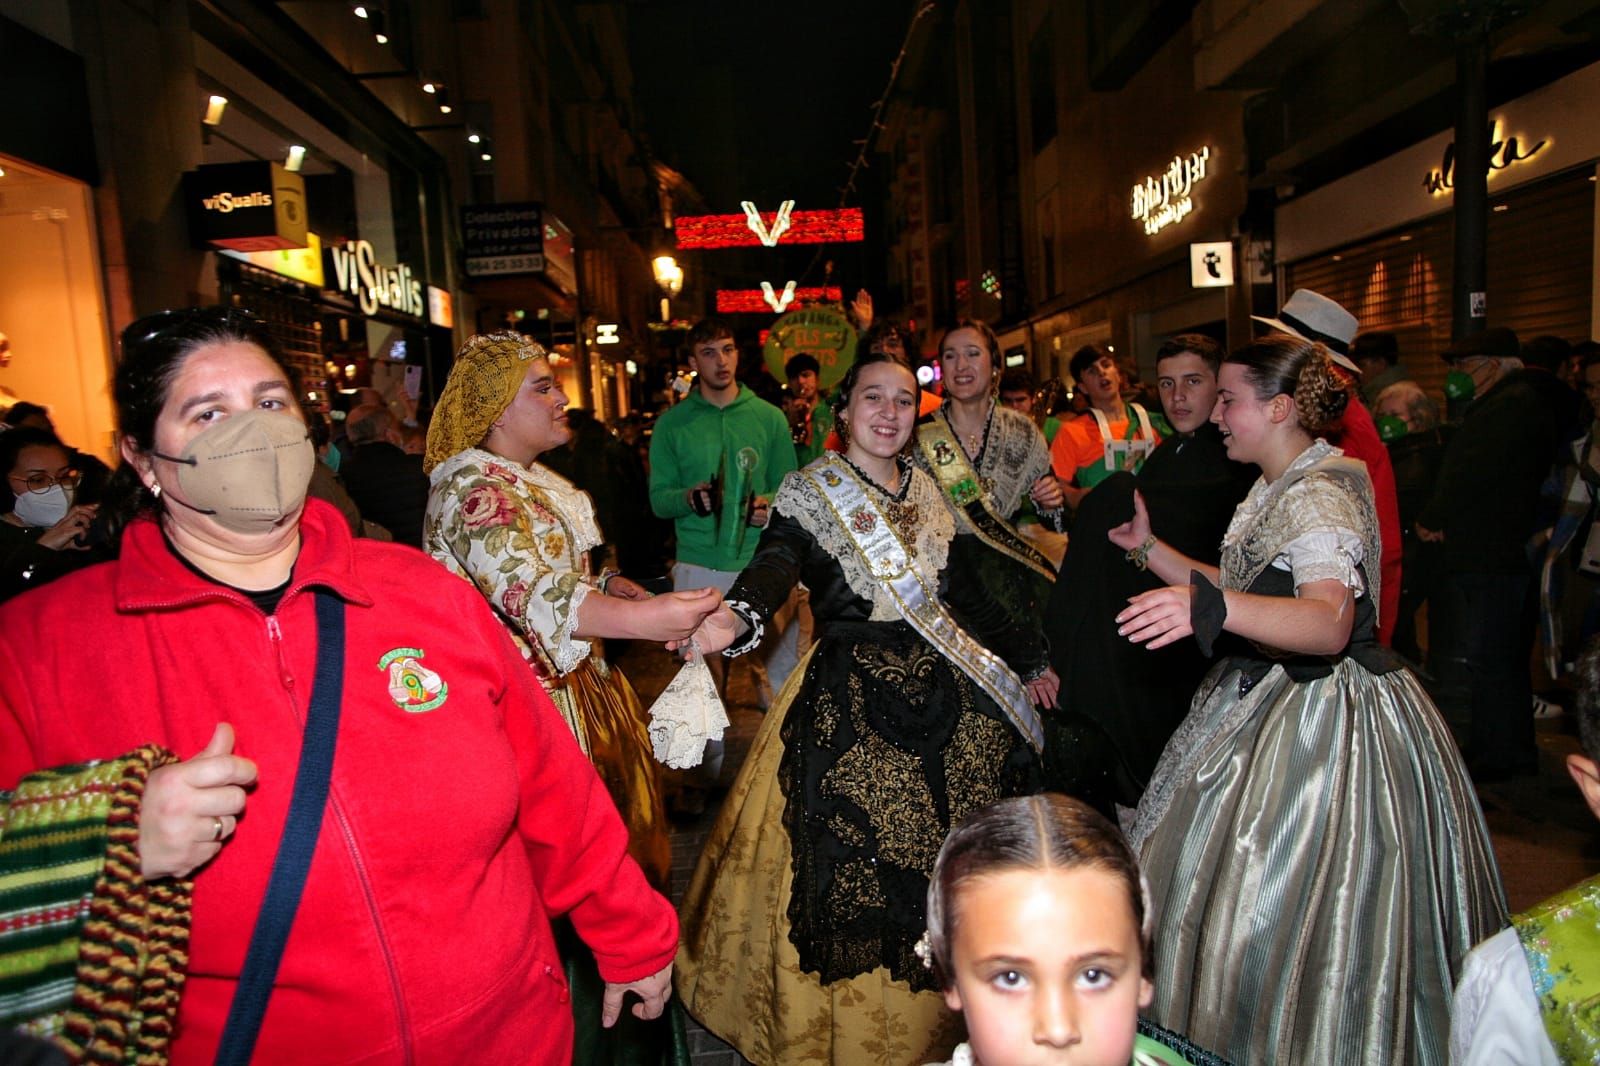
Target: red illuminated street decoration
{"type": "Point", "coordinates": [768, 237]}
{"type": "Point", "coordinates": [842, 226]}
{"type": "Point", "coordinates": [758, 301]}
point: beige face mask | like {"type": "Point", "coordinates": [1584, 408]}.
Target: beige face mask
{"type": "Point", "coordinates": [249, 473]}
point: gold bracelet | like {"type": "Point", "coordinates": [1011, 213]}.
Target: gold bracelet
{"type": "Point", "coordinates": [1140, 556]}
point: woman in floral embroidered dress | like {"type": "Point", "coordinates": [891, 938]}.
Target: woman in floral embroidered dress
{"type": "Point", "coordinates": [521, 534]}
{"type": "Point", "coordinates": [800, 922]}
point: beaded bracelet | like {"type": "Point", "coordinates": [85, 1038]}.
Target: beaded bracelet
{"type": "Point", "coordinates": [1140, 556]}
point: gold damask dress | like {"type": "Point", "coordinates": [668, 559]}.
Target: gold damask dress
{"type": "Point", "coordinates": [800, 922]}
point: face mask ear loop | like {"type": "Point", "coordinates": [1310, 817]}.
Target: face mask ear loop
{"type": "Point", "coordinates": [156, 490]}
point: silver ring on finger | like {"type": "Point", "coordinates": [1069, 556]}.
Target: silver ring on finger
{"type": "Point", "coordinates": [217, 828]}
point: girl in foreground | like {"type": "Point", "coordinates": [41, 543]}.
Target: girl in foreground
{"type": "Point", "coordinates": [800, 923]}
{"type": "Point", "coordinates": [1317, 857]}
{"type": "Point", "coordinates": [1038, 930]}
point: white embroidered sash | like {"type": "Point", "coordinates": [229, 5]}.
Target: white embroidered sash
{"type": "Point", "coordinates": [890, 565]}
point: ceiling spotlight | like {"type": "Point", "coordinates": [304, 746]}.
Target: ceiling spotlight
{"type": "Point", "coordinates": [360, 11]}
{"type": "Point", "coordinates": [379, 29]}
{"type": "Point", "coordinates": [486, 157]}
{"type": "Point", "coordinates": [474, 138]}
{"type": "Point", "coordinates": [429, 87]}
{"type": "Point", "coordinates": [296, 159]}
{"type": "Point", "coordinates": [441, 94]}
{"type": "Point", "coordinates": [445, 109]}
{"type": "Point", "coordinates": [214, 109]}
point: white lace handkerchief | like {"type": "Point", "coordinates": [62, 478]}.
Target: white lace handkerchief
{"type": "Point", "coordinates": [687, 715]}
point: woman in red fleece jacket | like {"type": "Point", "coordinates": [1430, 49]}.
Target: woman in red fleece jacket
{"type": "Point", "coordinates": [460, 813]}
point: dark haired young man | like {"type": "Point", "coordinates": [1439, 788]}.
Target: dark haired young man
{"type": "Point", "coordinates": [716, 459]}
{"type": "Point", "coordinates": [1134, 698]}
{"type": "Point", "coordinates": [1112, 435]}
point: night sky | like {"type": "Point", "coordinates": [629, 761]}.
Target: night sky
{"type": "Point", "coordinates": [764, 102]}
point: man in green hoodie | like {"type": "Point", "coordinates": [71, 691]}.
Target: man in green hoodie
{"type": "Point", "coordinates": [716, 460]}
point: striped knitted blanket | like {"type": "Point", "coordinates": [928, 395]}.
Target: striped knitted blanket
{"type": "Point", "coordinates": [92, 956]}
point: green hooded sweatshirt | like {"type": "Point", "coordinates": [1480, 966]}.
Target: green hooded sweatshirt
{"type": "Point", "coordinates": [748, 442]}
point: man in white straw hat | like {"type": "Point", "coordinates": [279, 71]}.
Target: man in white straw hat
{"type": "Point", "coordinates": [1312, 316]}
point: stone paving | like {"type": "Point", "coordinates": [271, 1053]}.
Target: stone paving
{"type": "Point", "coordinates": [1543, 835]}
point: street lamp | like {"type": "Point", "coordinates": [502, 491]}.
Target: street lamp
{"type": "Point", "coordinates": [669, 275]}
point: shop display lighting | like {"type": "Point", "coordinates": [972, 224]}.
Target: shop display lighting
{"type": "Point", "coordinates": [214, 109]}
{"type": "Point", "coordinates": [840, 226]}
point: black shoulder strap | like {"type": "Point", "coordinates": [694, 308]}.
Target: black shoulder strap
{"type": "Point", "coordinates": [297, 844]}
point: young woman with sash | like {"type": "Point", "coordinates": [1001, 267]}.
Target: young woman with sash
{"type": "Point", "coordinates": [989, 461]}
{"type": "Point", "coordinates": [801, 921]}
{"type": "Point", "coordinates": [1317, 859]}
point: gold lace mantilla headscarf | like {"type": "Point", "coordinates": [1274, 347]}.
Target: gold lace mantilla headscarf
{"type": "Point", "coordinates": [488, 371]}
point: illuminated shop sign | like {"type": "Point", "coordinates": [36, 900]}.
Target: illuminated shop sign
{"type": "Point", "coordinates": [246, 207]}
{"type": "Point", "coordinates": [1159, 201]}
{"type": "Point", "coordinates": [301, 264]}
{"type": "Point", "coordinates": [754, 230]}
{"type": "Point", "coordinates": [441, 308]}
{"type": "Point", "coordinates": [1504, 153]}
{"type": "Point", "coordinates": [356, 271]}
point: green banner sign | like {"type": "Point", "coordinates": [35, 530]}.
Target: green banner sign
{"type": "Point", "coordinates": [825, 334]}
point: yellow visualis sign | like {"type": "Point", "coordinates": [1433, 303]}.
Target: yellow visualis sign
{"type": "Point", "coordinates": [301, 264]}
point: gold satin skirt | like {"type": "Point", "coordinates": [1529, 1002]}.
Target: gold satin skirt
{"type": "Point", "coordinates": [737, 971]}
{"type": "Point", "coordinates": [613, 720]}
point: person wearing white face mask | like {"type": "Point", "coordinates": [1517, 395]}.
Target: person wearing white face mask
{"type": "Point", "coordinates": [43, 534]}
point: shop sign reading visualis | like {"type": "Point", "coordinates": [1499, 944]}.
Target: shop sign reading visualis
{"type": "Point", "coordinates": [1159, 201]}
{"type": "Point", "coordinates": [356, 271]}
{"type": "Point", "coordinates": [256, 206]}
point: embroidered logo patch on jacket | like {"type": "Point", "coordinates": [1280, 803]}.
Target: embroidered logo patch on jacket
{"type": "Point", "coordinates": [412, 686]}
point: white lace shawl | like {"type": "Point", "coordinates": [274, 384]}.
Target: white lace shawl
{"type": "Point", "coordinates": [1313, 521]}
{"type": "Point", "coordinates": [799, 498]}
{"type": "Point", "coordinates": [1014, 456]}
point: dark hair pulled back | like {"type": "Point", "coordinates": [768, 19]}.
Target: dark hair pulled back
{"type": "Point", "coordinates": [1283, 365]}
{"type": "Point", "coordinates": [154, 349]}
{"type": "Point", "coordinates": [12, 443]}
{"type": "Point", "coordinates": [1043, 832]}
{"type": "Point", "coordinates": [847, 384]}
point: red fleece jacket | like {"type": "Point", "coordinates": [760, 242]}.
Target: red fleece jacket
{"type": "Point", "coordinates": [450, 834]}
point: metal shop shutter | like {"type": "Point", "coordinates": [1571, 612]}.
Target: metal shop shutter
{"type": "Point", "coordinates": [1541, 256]}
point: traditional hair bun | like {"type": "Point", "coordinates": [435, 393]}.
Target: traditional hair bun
{"type": "Point", "coordinates": [1322, 393]}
